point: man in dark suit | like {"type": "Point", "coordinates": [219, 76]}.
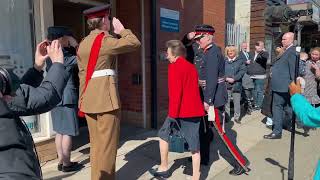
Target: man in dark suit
{"type": "Point", "coordinates": [282, 73]}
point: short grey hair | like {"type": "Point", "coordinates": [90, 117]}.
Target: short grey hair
{"type": "Point", "coordinates": [177, 48]}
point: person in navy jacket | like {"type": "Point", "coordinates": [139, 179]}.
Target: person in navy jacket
{"type": "Point", "coordinates": [185, 107]}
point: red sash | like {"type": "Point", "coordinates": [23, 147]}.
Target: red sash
{"type": "Point", "coordinates": [94, 54]}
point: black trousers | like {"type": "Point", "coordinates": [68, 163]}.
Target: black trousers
{"type": "Point", "coordinates": [206, 137]}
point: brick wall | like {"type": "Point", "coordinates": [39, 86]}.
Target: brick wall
{"type": "Point", "coordinates": [214, 14]}
{"type": "Point", "coordinates": [257, 25]}
{"type": "Point", "coordinates": [130, 64]}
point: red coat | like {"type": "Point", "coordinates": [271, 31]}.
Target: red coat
{"type": "Point", "coordinates": [184, 95]}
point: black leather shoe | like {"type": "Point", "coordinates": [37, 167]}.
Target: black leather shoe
{"type": "Point", "coordinates": [75, 166]}
{"type": "Point", "coordinates": [237, 171]}
{"type": "Point", "coordinates": [59, 167]}
{"type": "Point", "coordinates": [272, 136]}
{"type": "Point", "coordinates": [162, 174]}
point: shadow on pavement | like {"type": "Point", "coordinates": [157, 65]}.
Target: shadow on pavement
{"type": "Point", "coordinates": [276, 163]}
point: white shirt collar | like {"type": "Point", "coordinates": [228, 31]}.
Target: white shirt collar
{"type": "Point", "coordinates": [231, 60]}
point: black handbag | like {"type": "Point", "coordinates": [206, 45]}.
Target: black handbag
{"type": "Point", "coordinates": [177, 142]}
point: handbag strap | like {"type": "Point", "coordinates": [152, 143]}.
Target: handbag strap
{"type": "Point", "coordinates": [179, 128]}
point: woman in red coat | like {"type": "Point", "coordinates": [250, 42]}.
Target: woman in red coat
{"type": "Point", "coordinates": [185, 107]}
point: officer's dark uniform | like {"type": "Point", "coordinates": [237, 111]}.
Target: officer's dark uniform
{"type": "Point", "coordinates": [215, 92]}
{"type": "Point", "coordinates": [211, 69]}
{"type": "Point", "coordinates": [206, 69]}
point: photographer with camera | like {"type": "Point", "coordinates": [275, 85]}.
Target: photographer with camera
{"type": "Point", "coordinates": [18, 158]}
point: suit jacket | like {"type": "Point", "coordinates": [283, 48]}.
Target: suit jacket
{"type": "Point", "coordinates": [101, 94]}
{"type": "Point", "coordinates": [70, 93]}
{"type": "Point", "coordinates": [235, 69]}
{"type": "Point", "coordinates": [214, 68]}
{"type": "Point", "coordinates": [243, 56]}
{"type": "Point", "coordinates": [18, 160]}
{"type": "Point", "coordinates": [259, 65]}
{"type": "Point", "coordinates": [184, 95]}
{"type": "Point", "coordinates": [283, 71]}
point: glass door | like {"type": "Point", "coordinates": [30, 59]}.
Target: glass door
{"type": "Point", "coordinates": [17, 42]}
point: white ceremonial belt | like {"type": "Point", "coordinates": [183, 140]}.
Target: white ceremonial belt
{"type": "Point", "coordinates": [104, 72]}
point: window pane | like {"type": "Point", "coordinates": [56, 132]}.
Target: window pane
{"type": "Point", "coordinates": [17, 42]}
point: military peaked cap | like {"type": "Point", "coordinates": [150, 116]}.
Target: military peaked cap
{"type": "Point", "coordinates": [97, 12]}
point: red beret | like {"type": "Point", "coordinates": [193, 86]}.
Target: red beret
{"type": "Point", "coordinates": [97, 12]}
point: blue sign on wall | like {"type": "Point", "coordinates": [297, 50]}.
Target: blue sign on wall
{"type": "Point", "coordinates": [169, 20]}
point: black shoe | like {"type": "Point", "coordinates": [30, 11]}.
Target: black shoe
{"type": "Point", "coordinates": [59, 167]}
{"type": "Point", "coordinates": [75, 166]}
{"type": "Point", "coordinates": [272, 136]}
{"type": "Point", "coordinates": [237, 120]}
{"type": "Point", "coordinates": [237, 171]}
{"type": "Point", "coordinates": [162, 174]}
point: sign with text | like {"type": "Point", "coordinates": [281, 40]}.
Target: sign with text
{"type": "Point", "coordinates": [169, 20]}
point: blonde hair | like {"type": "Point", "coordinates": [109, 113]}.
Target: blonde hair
{"type": "Point", "coordinates": [94, 23]}
{"type": "Point", "coordinates": [230, 48]}
{"type": "Point", "coordinates": [315, 49]}
{"type": "Point", "coordinates": [304, 56]}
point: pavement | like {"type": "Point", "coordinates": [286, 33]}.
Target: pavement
{"type": "Point", "coordinates": [139, 151]}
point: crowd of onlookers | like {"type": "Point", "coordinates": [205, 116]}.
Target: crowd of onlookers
{"type": "Point", "coordinates": [254, 83]}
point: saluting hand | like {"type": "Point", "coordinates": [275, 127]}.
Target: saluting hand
{"type": "Point", "coordinates": [55, 52]}
{"type": "Point", "coordinates": [41, 55]}
{"type": "Point", "coordinates": [117, 25]}
{"type": "Point", "coordinates": [191, 35]}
